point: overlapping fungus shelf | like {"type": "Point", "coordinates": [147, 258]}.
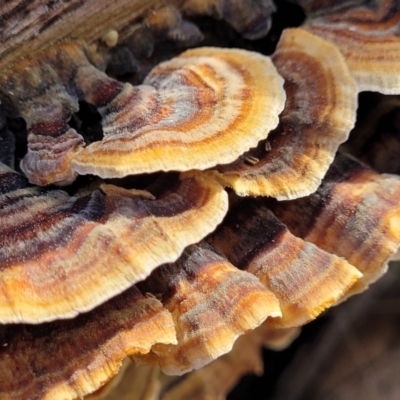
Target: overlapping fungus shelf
{"type": "Point", "coordinates": [205, 105]}
{"type": "Point", "coordinates": [211, 302]}
{"type": "Point", "coordinates": [62, 255]}
{"type": "Point", "coordinates": [69, 359]}
{"type": "Point", "coordinates": [367, 36]}
{"type": "Point", "coordinates": [321, 97]}
{"type": "Point", "coordinates": [305, 279]}
{"type": "Point", "coordinates": [143, 249]}
{"type": "Point", "coordinates": [214, 380]}
{"type": "Point", "coordinates": [252, 19]}
{"type": "Point", "coordinates": [355, 213]}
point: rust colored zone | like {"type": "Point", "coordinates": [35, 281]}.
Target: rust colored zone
{"type": "Point", "coordinates": [206, 106]}
{"type": "Point", "coordinates": [181, 118]}
{"type": "Point", "coordinates": [367, 36]}
{"type": "Point", "coordinates": [321, 97]}
{"type": "Point", "coordinates": [305, 279]}
{"type": "Point", "coordinates": [57, 251]}
{"type": "Point", "coordinates": [68, 359]}
{"type": "Point", "coordinates": [211, 302]}
{"type": "Point", "coordinates": [354, 214]}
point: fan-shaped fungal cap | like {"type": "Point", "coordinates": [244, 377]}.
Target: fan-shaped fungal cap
{"type": "Point", "coordinates": [213, 381]}
{"type": "Point", "coordinates": [305, 279]}
{"type": "Point", "coordinates": [206, 106]}
{"type": "Point", "coordinates": [368, 37]}
{"type": "Point", "coordinates": [355, 214]}
{"type": "Point", "coordinates": [64, 360]}
{"type": "Point", "coordinates": [318, 116]}
{"type": "Point", "coordinates": [62, 255]}
{"type": "Point", "coordinates": [211, 302]}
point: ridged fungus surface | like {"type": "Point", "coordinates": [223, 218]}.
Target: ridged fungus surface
{"type": "Point", "coordinates": [305, 279]}
{"type": "Point", "coordinates": [69, 359]}
{"type": "Point", "coordinates": [211, 302]}
{"type": "Point", "coordinates": [181, 118]}
{"type": "Point", "coordinates": [62, 255]}
{"type": "Point", "coordinates": [321, 97]}
{"type": "Point", "coordinates": [206, 106]}
{"type": "Point", "coordinates": [367, 35]}
{"type": "Point", "coordinates": [154, 271]}
{"type": "Point", "coordinates": [355, 213]}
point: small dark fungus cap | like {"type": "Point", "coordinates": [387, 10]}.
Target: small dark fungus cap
{"type": "Point", "coordinates": [43, 101]}
{"type": "Point", "coordinates": [251, 18]}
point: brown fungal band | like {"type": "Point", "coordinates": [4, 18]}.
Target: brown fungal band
{"type": "Point", "coordinates": [354, 214]}
{"type": "Point", "coordinates": [319, 113]}
{"type": "Point", "coordinates": [203, 107]}
{"type": "Point", "coordinates": [367, 36]}
{"type": "Point", "coordinates": [211, 303]}
{"type": "Point", "coordinates": [305, 279]}
{"type": "Point", "coordinates": [182, 118]}
{"type": "Point", "coordinates": [63, 255]}
{"type": "Point", "coordinates": [69, 359]}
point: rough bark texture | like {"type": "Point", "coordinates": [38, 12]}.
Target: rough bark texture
{"type": "Point", "coordinates": [28, 26]}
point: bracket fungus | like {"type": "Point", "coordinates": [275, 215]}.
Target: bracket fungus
{"type": "Point", "coordinates": [69, 359]}
{"type": "Point", "coordinates": [78, 251]}
{"type": "Point", "coordinates": [156, 271]}
{"type": "Point", "coordinates": [319, 113]}
{"type": "Point", "coordinates": [305, 279]}
{"type": "Point", "coordinates": [251, 18]}
{"type": "Point", "coordinates": [367, 34]}
{"type": "Point", "coordinates": [208, 104]}
{"type": "Point", "coordinates": [181, 118]}
{"type": "Point", "coordinates": [355, 213]}
{"type": "Point", "coordinates": [215, 380]}
{"type": "Point", "coordinates": [211, 303]}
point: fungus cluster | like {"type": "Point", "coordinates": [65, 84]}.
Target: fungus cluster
{"type": "Point", "coordinates": [216, 204]}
